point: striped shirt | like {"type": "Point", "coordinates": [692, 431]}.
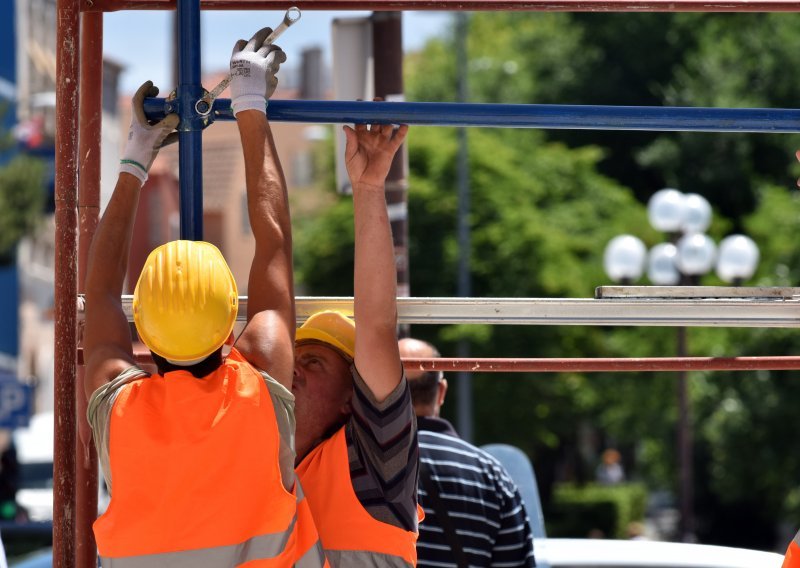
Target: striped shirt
{"type": "Point", "coordinates": [383, 454]}
{"type": "Point", "coordinates": [483, 502]}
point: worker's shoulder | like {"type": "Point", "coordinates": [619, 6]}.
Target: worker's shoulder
{"type": "Point", "coordinates": [447, 447]}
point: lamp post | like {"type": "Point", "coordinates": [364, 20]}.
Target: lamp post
{"type": "Point", "coordinates": [683, 260]}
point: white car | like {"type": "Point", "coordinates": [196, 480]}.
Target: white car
{"type": "Point", "coordinates": [34, 445]}
{"type": "Point", "coordinates": [601, 553]}
{"type": "Point", "coordinates": [35, 457]}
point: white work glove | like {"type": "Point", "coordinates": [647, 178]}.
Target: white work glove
{"type": "Point", "coordinates": [253, 69]}
{"type": "Point", "coordinates": [145, 139]}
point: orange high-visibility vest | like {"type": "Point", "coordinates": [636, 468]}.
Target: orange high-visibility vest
{"type": "Point", "coordinates": [350, 535]}
{"type": "Point", "coordinates": [792, 558]}
{"type": "Point", "coordinates": [196, 478]}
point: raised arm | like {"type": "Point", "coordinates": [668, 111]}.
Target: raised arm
{"type": "Point", "coordinates": [368, 155]}
{"type": "Point", "coordinates": [268, 340]}
{"type": "Point", "coordinates": [107, 339]}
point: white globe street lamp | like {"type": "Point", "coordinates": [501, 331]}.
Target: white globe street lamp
{"type": "Point", "coordinates": [662, 265]}
{"type": "Point", "coordinates": [696, 254]}
{"type": "Point", "coordinates": [738, 257]}
{"type": "Point", "coordinates": [696, 214]}
{"type": "Point", "coordinates": [667, 210]}
{"type": "Point", "coordinates": [685, 217]}
{"type": "Point", "coordinates": [624, 257]}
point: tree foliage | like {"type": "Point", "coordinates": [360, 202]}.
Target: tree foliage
{"type": "Point", "coordinates": [22, 197]}
{"type": "Point", "coordinates": [543, 207]}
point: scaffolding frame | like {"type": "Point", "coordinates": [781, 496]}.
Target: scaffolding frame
{"type": "Point", "coordinates": [79, 86]}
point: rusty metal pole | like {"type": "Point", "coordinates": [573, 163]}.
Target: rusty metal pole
{"type": "Point", "coordinates": [66, 283]}
{"type": "Point", "coordinates": [387, 49]}
{"type": "Point", "coordinates": [91, 112]}
{"type": "Point", "coordinates": [464, 394]}
{"type": "Point", "coordinates": [685, 447]}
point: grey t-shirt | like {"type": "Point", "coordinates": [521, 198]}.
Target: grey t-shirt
{"type": "Point", "coordinates": [102, 401]}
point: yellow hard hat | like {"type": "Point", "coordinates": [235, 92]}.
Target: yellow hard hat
{"type": "Point", "coordinates": [331, 327]}
{"type": "Point", "coordinates": [186, 301]}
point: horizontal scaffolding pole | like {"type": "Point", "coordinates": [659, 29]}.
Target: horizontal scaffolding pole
{"type": "Point", "coordinates": [578, 365]}
{"type": "Point", "coordinates": [575, 117]}
{"type": "Point", "coordinates": [607, 364]}
{"type": "Point", "coordinates": [643, 312]}
{"type": "Point", "coordinates": [465, 5]}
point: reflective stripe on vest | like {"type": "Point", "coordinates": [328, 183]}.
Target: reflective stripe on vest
{"type": "Point", "coordinates": [792, 558]}
{"type": "Point", "coordinates": [262, 547]}
{"type": "Point", "coordinates": [309, 548]}
{"type": "Point", "coordinates": [350, 536]}
{"type": "Point", "coordinates": [197, 482]}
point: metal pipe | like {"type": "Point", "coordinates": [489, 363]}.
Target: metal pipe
{"type": "Point", "coordinates": [387, 54]}
{"type": "Point", "coordinates": [567, 117]}
{"type": "Point", "coordinates": [696, 312]}
{"type": "Point", "coordinates": [685, 441]}
{"type": "Point", "coordinates": [190, 137]}
{"type": "Point", "coordinates": [602, 365]}
{"type": "Point", "coordinates": [66, 283]}
{"type": "Point", "coordinates": [464, 277]}
{"type": "Point", "coordinates": [90, 126]}
{"type": "Point", "coordinates": [580, 365]}
{"type": "Point", "coordinates": [469, 5]}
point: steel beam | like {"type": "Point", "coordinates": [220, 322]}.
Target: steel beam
{"type": "Point", "coordinates": [575, 117]}
{"type": "Point", "coordinates": [90, 124]}
{"type": "Point", "coordinates": [578, 364]}
{"type": "Point", "coordinates": [604, 364]}
{"type": "Point", "coordinates": [190, 129]}
{"type": "Point", "coordinates": [465, 5]}
{"type": "Point", "coordinates": [644, 312]}
{"type": "Point", "coordinates": [66, 280]}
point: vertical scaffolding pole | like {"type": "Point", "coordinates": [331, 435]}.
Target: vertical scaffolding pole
{"type": "Point", "coordinates": [91, 111]}
{"type": "Point", "coordinates": [190, 147]}
{"type": "Point", "coordinates": [464, 283]}
{"type": "Point", "coordinates": [66, 284]}
{"type": "Point", "coordinates": [387, 50]}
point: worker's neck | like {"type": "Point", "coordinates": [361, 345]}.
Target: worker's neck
{"type": "Point", "coordinates": [426, 410]}
{"type": "Point", "coordinates": [305, 441]}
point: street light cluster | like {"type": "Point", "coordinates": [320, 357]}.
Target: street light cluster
{"type": "Point", "coordinates": [690, 252]}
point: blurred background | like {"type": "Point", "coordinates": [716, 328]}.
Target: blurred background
{"type": "Point", "coordinates": [543, 205]}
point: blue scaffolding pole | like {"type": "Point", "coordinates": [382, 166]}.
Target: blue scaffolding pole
{"type": "Point", "coordinates": [574, 117]}
{"type": "Point", "coordinates": [190, 137]}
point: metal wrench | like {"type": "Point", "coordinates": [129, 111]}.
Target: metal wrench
{"type": "Point", "coordinates": [204, 105]}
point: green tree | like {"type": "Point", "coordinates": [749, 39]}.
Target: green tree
{"type": "Point", "coordinates": [22, 196]}
{"type": "Point", "coordinates": [544, 204]}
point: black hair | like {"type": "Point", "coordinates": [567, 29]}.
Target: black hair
{"type": "Point", "coordinates": [198, 370]}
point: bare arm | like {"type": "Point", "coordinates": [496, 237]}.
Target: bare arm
{"type": "Point", "coordinates": [268, 340]}
{"type": "Point", "coordinates": [368, 156]}
{"type": "Point", "coordinates": [107, 339]}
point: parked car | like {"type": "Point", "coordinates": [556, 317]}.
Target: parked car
{"type": "Point", "coordinates": [34, 445]}
{"type": "Point", "coordinates": [602, 553]}
{"type": "Point", "coordinates": [591, 553]}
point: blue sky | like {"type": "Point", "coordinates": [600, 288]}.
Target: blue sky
{"type": "Point", "coordinates": [139, 39]}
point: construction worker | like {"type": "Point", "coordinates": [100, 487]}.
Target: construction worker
{"type": "Point", "coordinates": [474, 515]}
{"type": "Point", "coordinates": [198, 458]}
{"type": "Point", "coordinates": [792, 558]}
{"type": "Point", "coordinates": [356, 433]}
